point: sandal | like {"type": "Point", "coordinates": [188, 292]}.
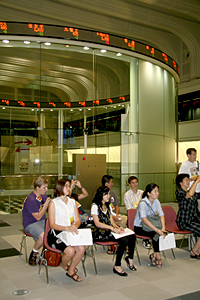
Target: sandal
{"type": "Point", "coordinates": [75, 277]}
{"type": "Point", "coordinates": [152, 259]}
{"type": "Point", "coordinates": [194, 255]}
{"type": "Point", "coordinates": [158, 263]}
{"type": "Point", "coordinates": [67, 268]}
{"type": "Point", "coordinates": [110, 251]}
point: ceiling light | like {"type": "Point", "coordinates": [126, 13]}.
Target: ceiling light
{"type": "Point", "coordinates": [5, 41]}
{"type": "Point", "coordinates": [114, 106]}
{"type": "Point", "coordinates": [86, 48]}
{"type": "Point", "coordinates": [51, 109]}
{"type": "Point", "coordinates": [42, 109]}
{"type": "Point", "coordinates": [119, 54]}
{"type": "Point", "coordinates": [89, 108]}
{"type": "Point", "coordinates": [119, 104]}
{"type": "Point", "coordinates": [67, 46]}
{"type": "Point", "coordinates": [71, 109]}
{"type": "Point", "coordinates": [3, 107]}
{"type": "Point", "coordinates": [47, 43]}
{"type": "Point", "coordinates": [27, 42]}
{"type": "Point", "coordinates": [103, 50]}
{"type": "Point", "coordinates": [32, 109]}
{"type": "Point", "coordinates": [80, 109]}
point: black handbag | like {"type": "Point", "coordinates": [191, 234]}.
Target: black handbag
{"type": "Point", "coordinates": [154, 219]}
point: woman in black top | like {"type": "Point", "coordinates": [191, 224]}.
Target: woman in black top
{"type": "Point", "coordinates": [104, 223]}
{"type": "Point", "coordinates": [188, 217]}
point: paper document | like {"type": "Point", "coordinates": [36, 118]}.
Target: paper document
{"type": "Point", "coordinates": [83, 238]}
{"type": "Point", "coordinates": [167, 243]}
{"type": "Point", "coordinates": [126, 232]}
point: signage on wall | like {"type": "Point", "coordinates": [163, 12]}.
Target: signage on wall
{"type": "Point", "coordinates": [23, 164]}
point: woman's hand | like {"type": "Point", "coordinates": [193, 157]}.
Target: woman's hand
{"type": "Point", "coordinates": [116, 230]}
{"type": "Point", "coordinates": [73, 229]}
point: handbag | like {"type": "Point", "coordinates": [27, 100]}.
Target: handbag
{"type": "Point", "coordinates": [154, 219]}
{"type": "Point", "coordinates": [53, 258]}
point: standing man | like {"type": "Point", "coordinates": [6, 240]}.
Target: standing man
{"type": "Point", "coordinates": [121, 220]}
{"type": "Point", "coordinates": [33, 214]}
{"type": "Point", "coordinates": [132, 199]}
{"type": "Point", "coordinates": [191, 167]}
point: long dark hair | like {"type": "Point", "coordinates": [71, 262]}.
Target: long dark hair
{"type": "Point", "coordinates": [149, 188]}
{"type": "Point", "coordinates": [101, 191]}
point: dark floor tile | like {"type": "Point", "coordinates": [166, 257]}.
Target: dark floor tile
{"type": "Point", "coordinates": [190, 296]}
{"type": "Point", "coordinates": [8, 252]}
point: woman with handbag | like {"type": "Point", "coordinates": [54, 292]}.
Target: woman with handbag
{"type": "Point", "coordinates": [104, 226]}
{"type": "Point", "coordinates": [150, 221]}
{"type": "Point", "coordinates": [63, 216]}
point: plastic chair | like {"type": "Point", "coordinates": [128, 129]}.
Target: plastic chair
{"type": "Point", "coordinates": [171, 226]}
{"type": "Point", "coordinates": [46, 247]}
{"type": "Point", "coordinates": [131, 218]}
{"type": "Point", "coordinates": [23, 245]}
{"type": "Point", "coordinates": [104, 244]}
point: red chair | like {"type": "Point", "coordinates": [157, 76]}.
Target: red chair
{"type": "Point", "coordinates": [46, 247]}
{"type": "Point", "coordinates": [23, 245]}
{"type": "Point", "coordinates": [131, 218]}
{"type": "Point", "coordinates": [171, 226]}
{"type": "Point", "coordinates": [104, 244]}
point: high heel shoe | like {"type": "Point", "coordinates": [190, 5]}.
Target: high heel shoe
{"type": "Point", "coordinates": [119, 273]}
{"type": "Point", "coordinates": [152, 259]}
{"type": "Point", "coordinates": [132, 268]}
{"type": "Point", "coordinates": [194, 255]}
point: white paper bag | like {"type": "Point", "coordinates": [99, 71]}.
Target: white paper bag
{"type": "Point", "coordinates": [167, 243]}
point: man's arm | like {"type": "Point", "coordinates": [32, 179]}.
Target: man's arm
{"type": "Point", "coordinates": [41, 213]}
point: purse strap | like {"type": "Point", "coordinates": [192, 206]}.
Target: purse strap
{"type": "Point", "coordinates": [149, 206]}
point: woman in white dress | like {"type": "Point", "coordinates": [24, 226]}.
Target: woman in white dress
{"type": "Point", "coordinates": [64, 216]}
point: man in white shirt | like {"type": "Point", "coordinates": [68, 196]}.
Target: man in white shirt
{"type": "Point", "coordinates": [132, 199]}
{"type": "Point", "coordinates": [191, 167]}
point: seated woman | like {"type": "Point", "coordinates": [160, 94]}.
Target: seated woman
{"type": "Point", "coordinates": [151, 207]}
{"type": "Point", "coordinates": [103, 221]}
{"type": "Point", "coordinates": [188, 217]}
{"type": "Point", "coordinates": [63, 215]}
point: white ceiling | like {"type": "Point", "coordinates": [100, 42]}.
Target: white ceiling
{"type": "Point", "coordinates": [172, 26]}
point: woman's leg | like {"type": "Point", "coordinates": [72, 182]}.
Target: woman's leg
{"type": "Point", "coordinates": [123, 242]}
{"type": "Point", "coordinates": [196, 248]}
{"type": "Point", "coordinates": [68, 253]}
{"type": "Point", "coordinates": [78, 254]}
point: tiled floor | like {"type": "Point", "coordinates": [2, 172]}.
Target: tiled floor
{"type": "Point", "coordinates": [177, 277]}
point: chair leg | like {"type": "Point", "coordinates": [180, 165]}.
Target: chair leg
{"type": "Point", "coordinates": [23, 245]}
{"type": "Point", "coordinates": [83, 264]}
{"type": "Point", "coordinates": [43, 261]}
{"type": "Point", "coordinates": [173, 253]}
{"type": "Point", "coordinates": [182, 241]}
{"type": "Point", "coordinates": [164, 255]}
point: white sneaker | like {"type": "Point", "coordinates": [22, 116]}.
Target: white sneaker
{"type": "Point", "coordinates": [146, 244]}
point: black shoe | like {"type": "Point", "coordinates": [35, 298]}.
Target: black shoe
{"type": "Point", "coordinates": [193, 255]}
{"type": "Point", "coordinates": [132, 268]}
{"type": "Point", "coordinates": [32, 258]}
{"type": "Point", "coordinates": [120, 273]}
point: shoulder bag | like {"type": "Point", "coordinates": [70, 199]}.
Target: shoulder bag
{"type": "Point", "coordinates": [154, 219]}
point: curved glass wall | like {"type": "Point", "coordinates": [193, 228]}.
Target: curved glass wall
{"type": "Point", "coordinates": [50, 94]}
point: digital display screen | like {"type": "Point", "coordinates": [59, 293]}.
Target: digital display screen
{"type": "Point", "coordinates": [70, 33]}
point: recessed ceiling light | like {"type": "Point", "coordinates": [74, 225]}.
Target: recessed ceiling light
{"type": "Point", "coordinates": [47, 43]}
{"type": "Point", "coordinates": [89, 108]}
{"type": "Point", "coordinates": [27, 42]}
{"type": "Point", "coordinates": [42, 109]}
{"type": "Point", "coordinates": [86, 48]}
{"type": "Point", "coordinates": [80, 109]}
{"type": "Point", "coordinates": [119, 104]}
{"type": "Point", "coordinates": [119, 54]}
{"type": "Point", "coordinates": [32, 109]}
{"type": "Point", "coordinates": [5, 41]}
{"type": "Point", "coordinates": [3, 107]}
{"type": "Point", "coordinates": [114, 106]}
{"type": "Point", "coordinates": [67, 46]}
{"type": "Point", "coordinates": [103, 50]}
{"type": "Point", "coordinates": [51, 109]}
